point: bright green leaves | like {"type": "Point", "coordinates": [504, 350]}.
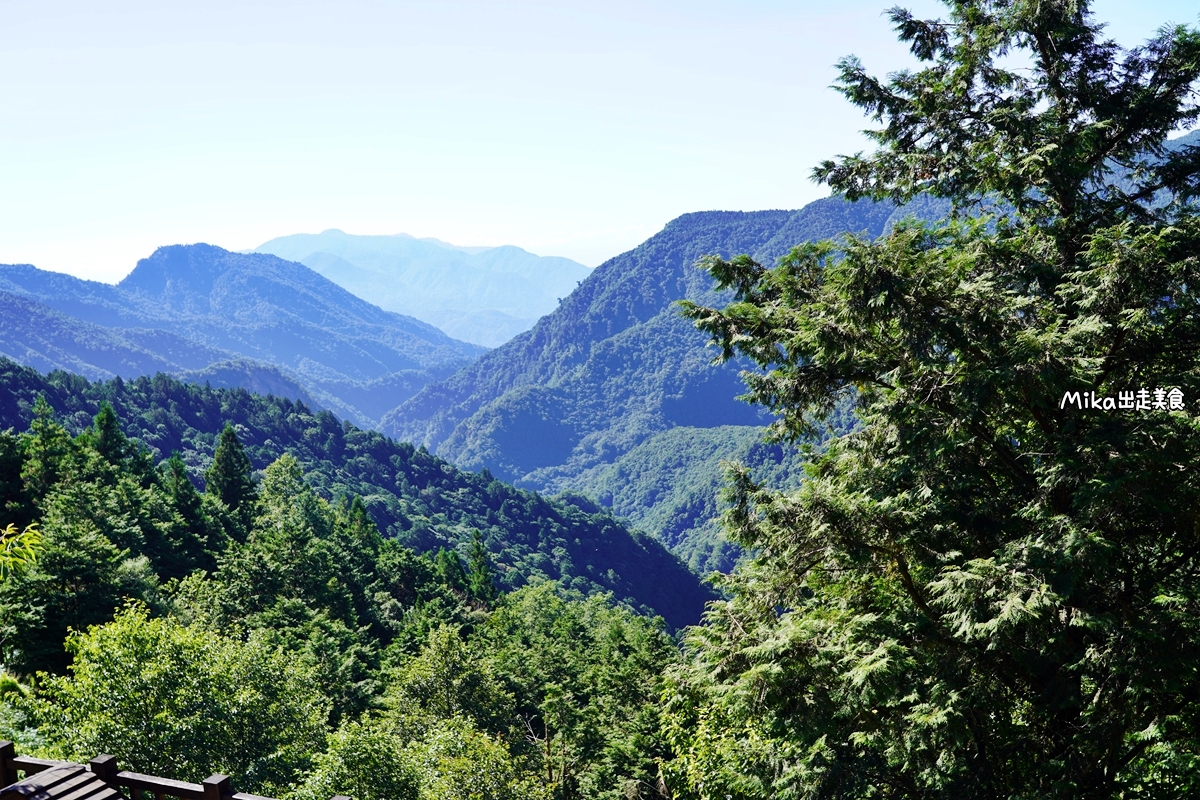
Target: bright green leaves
{"type": "Point", "coordinates": [366, 761]}
{"type": "Point", "coordinates": [448, 679]}
{"type": "Point", "coordinates": [449, 760]}
{"type": "Point", "coordinates": [586, 678]}
{"type": "Point", "coordinates": [185, 702]}
{"type": "Point", "coordinates": [18, 548]}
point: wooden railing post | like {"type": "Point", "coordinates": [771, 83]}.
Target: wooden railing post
{"type": "Point", "coordinates": [8, 771]}
{"type": "Point", "coordinates": [217, 787]}
{"type": "Point", "coordinates": [104, 767]}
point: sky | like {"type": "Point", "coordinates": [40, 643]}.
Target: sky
{"type": "Point", "coordinates": [574, 129]}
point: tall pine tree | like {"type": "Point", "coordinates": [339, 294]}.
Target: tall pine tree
{"type": "Point", "coordinates": [197, 539]}
{"type": "Point", "coordinates": [44, 451]}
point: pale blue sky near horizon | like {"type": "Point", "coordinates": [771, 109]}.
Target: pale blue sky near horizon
{"type": "Point", "coordinates": [568, 128]}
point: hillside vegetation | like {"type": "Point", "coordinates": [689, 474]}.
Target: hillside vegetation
{"type": "Point", "coordinates": [672, 484]}
{"type": "Point", "coordinates": [984, 591]}
{"type": "Point", "coordinates": [413, 497]}
{"type": "Point", "coordinates": [615, 367]}
{"type": "Point", "coordinates": [260, 631]}
{"type": "Point", "coordinates": [981, 589]}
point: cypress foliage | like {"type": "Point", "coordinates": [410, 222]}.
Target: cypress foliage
{"type": "Point", "coordinates": [450, 570]}
{"type": "Point", "coordinates": [987, 590]}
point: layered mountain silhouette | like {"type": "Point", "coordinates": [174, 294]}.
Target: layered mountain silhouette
{"type": "Point", "coordinates": [611, 396]}
{"type": "Point", "coordinates": [187, 307]}
{"type": "Point", "coordinates": [484, 295]}
{"type": "Point", "coordinates": [616, 373]}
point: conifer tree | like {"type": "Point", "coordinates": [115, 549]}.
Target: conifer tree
{"type": "Point", "coordinates": [229, 478]}
{"type": "Point", "coordinates": [13, 502]}
{"type": "Point", "coordinates": [179, 487]}
{"type": "Point", "coordinates": [450, 570]}
{"type": "Point", "coordinates": [45, 450]}
{"type": "Point", "coordinates": [107, 437]}
{"type": "Point", "coordinates": [229, 481]}
{"type": "Point", "coordinates": [986, 590]}
{"type": "Point", "coordinates": [358, 522]}
{"type": "Point", "coordinates": [480, 582]}
{"type": "Point", "coordinates": [198, 540]}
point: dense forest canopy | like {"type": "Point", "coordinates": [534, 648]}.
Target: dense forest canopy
{"type": "Point", "coordinates": [411, 496]}
{"type": "Point", "coordinates": [260, 630]}
{"type": "Point", "coordinates": [611, 381]}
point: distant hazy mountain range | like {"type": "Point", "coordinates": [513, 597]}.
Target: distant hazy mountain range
{"type": "Point", "coordinates": [484, 295]}
{"type": "Point", "coordinates": [233, 319]}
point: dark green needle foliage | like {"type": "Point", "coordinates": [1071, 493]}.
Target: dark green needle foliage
{"type": "Point", "coordinates": [108, 439]}
{"type": "Point", "coordinates": [112, 531]}
{"type": "Point", "coordinates": [450, 570]}
{"type": "Point", "coordinates": [980, 592]}
{"type": "Point", "coordinates": [44, 452]}
{"type": "Point", "coordinates": [586, 679]}
{"type": "Point", "coordinates": [479, 581]}
{"type": "Point", "coordinates": [229, 480]}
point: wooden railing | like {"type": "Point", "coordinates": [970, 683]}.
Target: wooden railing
{"type": "Point", "coordinates": [214, 787]}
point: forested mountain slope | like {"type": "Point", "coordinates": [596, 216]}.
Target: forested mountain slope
{"type": "Point", "coordinates": [484, 295]}
{"type": "Point", "coordinates": [616, 364]}
{"type": "Point", "coordinates": [412, 496]}
{"type": "Point", "coordinates": [349, 354]}
{"type": "Point", "coordinates": [42, 337]}
{"type": "Point", "coordinates": [279, 639]}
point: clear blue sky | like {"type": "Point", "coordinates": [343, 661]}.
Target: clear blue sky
{"type": "Point", "coordinates": [568, 128]}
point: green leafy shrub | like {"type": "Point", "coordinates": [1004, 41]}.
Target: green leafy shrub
{"type": "Point", "coordinates": [184, 702]}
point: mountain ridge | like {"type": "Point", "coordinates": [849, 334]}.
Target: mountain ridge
{"type": "Point", "coordinates": [615, 366]}
{"type": "Point", "coordinates": [625, 292]}
{"type": "Point", "coordinates": [245, 306]}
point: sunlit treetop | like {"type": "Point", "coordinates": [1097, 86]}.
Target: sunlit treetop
{"type": "Point", "coordinates": [1027, 100]}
